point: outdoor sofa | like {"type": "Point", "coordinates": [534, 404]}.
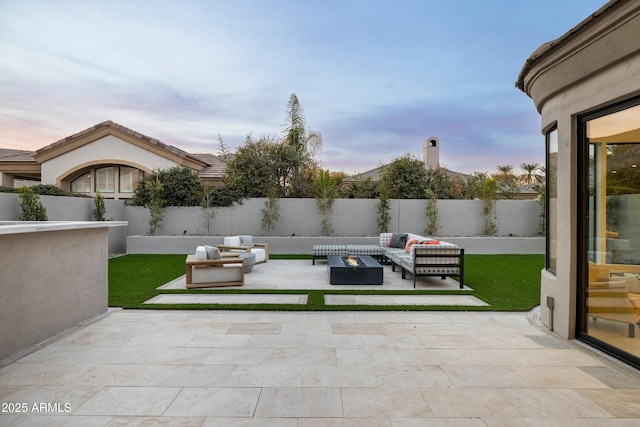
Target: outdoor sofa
{"type": "Point", "coordinates": [423, 256]}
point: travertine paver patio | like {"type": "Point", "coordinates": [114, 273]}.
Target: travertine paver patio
{"type": "Point", "coordinates": [307, 369]}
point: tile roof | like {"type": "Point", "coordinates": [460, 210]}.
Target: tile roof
{"type": "Point", "coordinates": [11, 155]}
{"type": "Point", "coordinates": [216, 165]}
{"type": "Point", "coordinates": [109, 123]}
{"type": "Point", "coordinates": [546, 47]}
{"type": "Point", "coordinates": [374, 175]}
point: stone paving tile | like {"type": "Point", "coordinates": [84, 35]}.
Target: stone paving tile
{"type": "Point", "coordinates": [343, 299]}
{"type": "Point", "coordinates": [142, 401]}
{"type": "Point", "coordinates": [218, 402]}
{"type": "Point", "coordinates": [62, 421]}
{"type": "Point", "coordinates": [299, 402]}
{"type": "Point", "coordinates": [338, 376]}
{"type": "Point", "coordinates": [157, 421]}
{"type": "Point", "coordinates": [620, 402]}
{"type": "Point", "coordinates": [553, 403]}
{"type": "Point", "coordinates": [345, 422]}
{"type": "Point", "coordinates": [304, 356]}
{"type": "Point", "coordinates": [402, 402]}
{"type": "Point", "coordinates": [265, 376]}
{"type": "Point", "coordinates": [250, 422]}
{"type": "Point", "coordinates": [227, 299]}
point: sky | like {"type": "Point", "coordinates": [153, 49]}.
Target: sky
{"type": "Point", "coordinates": [374, 77]}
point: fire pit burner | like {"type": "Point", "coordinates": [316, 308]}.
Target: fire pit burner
{"type": "Point", "coordinates": [352, 261]}
{"type": "Point", "coordinates": [354, 270]}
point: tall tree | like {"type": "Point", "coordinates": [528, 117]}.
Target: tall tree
{"type": "Point", "coordinates": [257, 166]}
{"type": "Point", "coordinates": [472, 188]}
{"type": "Point", "coordinates": [405, 178]}
{"type": "Point", "coordinates": [504, 172]}
{"type": "Point", "coordinates": [529, 176]}
{"type": "Point", "coordinates": [441, 184]}
{"type": "Point", "coordinates": [301, 146]}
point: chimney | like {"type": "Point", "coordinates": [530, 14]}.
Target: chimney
{"type": "Point", "coordinates": [431, 152]}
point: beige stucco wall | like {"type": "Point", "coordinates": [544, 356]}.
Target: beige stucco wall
{"type": "Point", "coordinates": [616, 83]}
{"type": "Point", "coordinates": [6, 180]}
{"type": "Point", "coordinates": [50, 281]}
{"type": "Point", "coordinates": [593, 66]}
{"type": "Point", "coordinates": [109, 149]}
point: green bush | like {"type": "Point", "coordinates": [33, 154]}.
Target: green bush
{"type": "Point", "coordinates": [100, 210]}
{"type": "Point", "coordinates": [52, 190]}
{"type": "Point", "coordinates": [180, 187]}
{"type": "Point", "coordinates": [32, 208]}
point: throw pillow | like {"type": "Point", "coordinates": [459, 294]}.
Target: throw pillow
{"type": "Point", "coordinates": [398, 240]}
{"type": "Point", "coordinates": [232, 241]}
{"type": "Point", "coordinates": [246, 240]}
{"type": "Point", "coordinates": [201, 253]}
{"type": "Point", "coordinates": [212, 252]}
{"type": "Point", "coordinates": [410, 243]}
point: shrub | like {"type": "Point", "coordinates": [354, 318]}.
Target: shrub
{"type": "Point", "coordinates": [100, 210]}
{"type": "Point", "coordinates": [383, 218]}
{"type": "Point", "coordinates": [32, 208]}
{"type": "Point", "coordinates": [271, 210]}
{"type": "Point", "coordinates": [180, 187]}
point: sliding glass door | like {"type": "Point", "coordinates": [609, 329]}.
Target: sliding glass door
{"type": "Point", "coordinates": [609, 229]}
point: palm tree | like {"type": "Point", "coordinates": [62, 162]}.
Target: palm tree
{"type": "Point", "coordinates": [529, 176]}
{"type": "Point", "coordinates": [505, 171]}
{"type": "Point", "coordinates": [302, 145]}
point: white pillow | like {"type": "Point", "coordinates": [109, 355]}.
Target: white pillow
{"type": "Point", "coordinates": [201, 253]}
{"type": "Point", "coordinates": [212, 252]}
{"type": "Point", "coordinates": [232, 241]}
{"type": "Point", "coordinates": [246, 240]}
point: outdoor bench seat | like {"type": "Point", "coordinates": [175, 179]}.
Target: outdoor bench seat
{"type": "Point", "coordinates": [437, 259]}
{"type": "Point", "coordinates": [323, 251]}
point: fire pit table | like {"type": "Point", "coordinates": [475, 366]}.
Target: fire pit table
{"type": "Point", "coordinates": [354, 270]}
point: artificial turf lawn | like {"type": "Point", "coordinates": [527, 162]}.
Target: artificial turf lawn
{"type": "Point", "coordinates": [505, 282]}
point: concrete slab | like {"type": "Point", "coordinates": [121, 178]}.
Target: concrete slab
{"type": "Point", "coordinates": [467, 300]}
{"type": "Point", "coordinates": [227, 299]}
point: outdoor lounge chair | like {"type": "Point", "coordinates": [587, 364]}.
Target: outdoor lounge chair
{"type": "Point", "coordinates": [245, 243]}
{"type": "Point", "coordinates": [207, 268]}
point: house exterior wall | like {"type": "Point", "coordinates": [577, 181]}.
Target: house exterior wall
{"type": "Point", "coordinates": [617, 83]}
{"type": "Point", "coordinates": [106, 150]}
{"type": "Point", "coordinates": [598, 67]}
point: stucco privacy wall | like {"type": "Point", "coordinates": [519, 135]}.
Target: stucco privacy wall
{"type": "Point", "coordinates": [300, 217]}
{"type": "Point", "coordinates": [350, 217]}
{"type": "Point", "coordinates": [71, 209]}
{"type": "Point", "coordinates": [49, 280]}
{"type": "Point", "coordinates": [108, 149]}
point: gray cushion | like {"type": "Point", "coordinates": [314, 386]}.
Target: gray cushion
{"type": "Point", "coordinates": [398, 240]}
{"type": "Point", "coordinates": [246, 240]}
{"type": "Point", "coordinates": [212, 252]}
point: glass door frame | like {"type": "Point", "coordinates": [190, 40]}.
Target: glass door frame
{"type": "Point", "coordinates": [582, 223]}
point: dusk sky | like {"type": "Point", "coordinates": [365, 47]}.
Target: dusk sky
{"type": "Point", "coordinates": [374, 77]}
